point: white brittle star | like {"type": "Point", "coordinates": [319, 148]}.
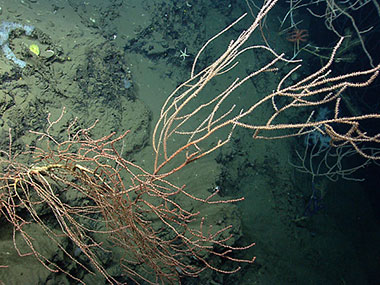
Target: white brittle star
{"type": "Point", "coordinates": [183, 54]}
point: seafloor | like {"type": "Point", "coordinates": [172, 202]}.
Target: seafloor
{"type": "Point", "coordinates": [117, 61]}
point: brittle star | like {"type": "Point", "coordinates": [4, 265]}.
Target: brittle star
{"type": "Point", "coordinates": [183, 54]}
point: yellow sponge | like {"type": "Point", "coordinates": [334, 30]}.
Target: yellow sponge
{"type": "Point", "coordinates": [34, 49]}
